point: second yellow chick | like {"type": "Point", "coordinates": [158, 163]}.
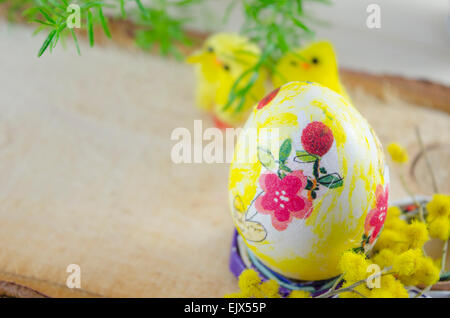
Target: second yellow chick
{"type": "Point", "coordinates": [315, 63]}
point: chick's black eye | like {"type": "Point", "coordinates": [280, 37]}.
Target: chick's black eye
{"type": "Point", "coordinates": [293, 63]}
{"type": "Point", "coordinates": [210, 49]}
{"type": "Point", "coordinates": [226, 67]}
{"type": "Point", "coordinates": [315, 60]}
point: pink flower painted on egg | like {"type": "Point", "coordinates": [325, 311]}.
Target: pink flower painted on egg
{"type": "Point", "coordinates": [375, 218]}
{"type": "Point", "coordinates": [282, 200]}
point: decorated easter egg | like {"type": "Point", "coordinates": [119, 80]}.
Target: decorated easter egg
{"type": "Point", "coordinates": [308, 181]}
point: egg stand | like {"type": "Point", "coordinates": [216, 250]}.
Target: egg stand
{"type": "Point", "coordinates": [242, 258]}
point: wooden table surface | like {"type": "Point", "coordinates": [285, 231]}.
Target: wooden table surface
{"type": "Point", "coordinates": [87, 178]}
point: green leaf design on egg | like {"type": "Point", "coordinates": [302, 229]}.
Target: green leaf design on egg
{"type": "Point", "coordinates": [285, 150]}
{"type": "Point", "coordinates": [331, 181]}
{"type": "Point", "coordinates": [266, 158]}
{"type": "Point", "coordinates": [304, 156]}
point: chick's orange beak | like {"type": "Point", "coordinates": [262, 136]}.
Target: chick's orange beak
{"type": "Point", "coordinates": [218, 62]}
{"type": "Point", "coordinates": [305, 65]}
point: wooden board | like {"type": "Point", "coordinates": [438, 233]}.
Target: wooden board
{"type": "Point", "coordinates": [87, 176]}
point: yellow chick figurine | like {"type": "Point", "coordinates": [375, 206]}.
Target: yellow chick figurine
{"type": "Point", "coordinates": [222, 60]}
{"type": "Point", "coordinates": [315, 63]}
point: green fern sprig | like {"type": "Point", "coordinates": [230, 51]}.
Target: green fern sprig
{"type": "Point", "coordinates": [160, 21]}
{"type": "Point", "coordinates": [53, 15]}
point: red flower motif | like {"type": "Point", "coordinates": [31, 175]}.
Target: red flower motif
{"type": "Point", "coordinates": [317, 138]}
{"type": "Point", "coordinates": [282, 199]}
{"type": "Point", "coordinates": [266, 100]}
{"type": "Point", "coordinates": [375, 218]}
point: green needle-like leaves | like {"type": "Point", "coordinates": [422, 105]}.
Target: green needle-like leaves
{"type": "Point", "coordinates": [46, 43]}
{"type": "Point", "coordinates": [104, 22]}
{"type": "Point", "coordinates": [277, 26]}
{"type": "Point", "coordinates": [74, 36]}
{"type": "Point", "coordinates": [160, 22]}
{"type": "Point", "coordinates": [90, 30]}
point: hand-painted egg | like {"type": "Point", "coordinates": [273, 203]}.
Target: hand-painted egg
{"type": "Point", "coordinates": [308, 181]}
